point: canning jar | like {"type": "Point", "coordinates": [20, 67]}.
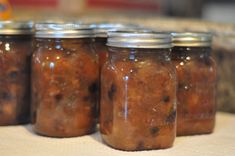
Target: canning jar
{"type": "Point", "coordinates": [138, 92]}
{"type": "Point", "coordinates": [64, 80]}
{"type": "Point", "coordinates": [101, 34]}
{"type": "Point", "coordinates": [196, 71]}
{"type": "Point", "coordinates": [15, 52]}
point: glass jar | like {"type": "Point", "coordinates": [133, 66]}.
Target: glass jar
{"type": "Point", "coordinates": [101, 34]}
{"type": "Point", "coordinates": [15, 52]}
{"type": "Point", "coordinates": [64, 80]}
{"type": "Point", "coordinates": [196, 71]}
{"type": "Point", "coordinates": [138, 92]}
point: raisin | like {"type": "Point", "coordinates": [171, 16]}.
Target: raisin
{"type": "Point", "coordinates": [112, 91]}
{"type": "Point", "coordinates": [154, 131]}
{"type": "Point", "coordinates": [171, 117]}
{"type": "Point", "coordinates": [93, 88]}
{"type": "Point", "coordinates": [166, 99]}
{"type": "Point", "coordinates": [58, 97]}
{"type": "Point", "coordinates": [13, 74]}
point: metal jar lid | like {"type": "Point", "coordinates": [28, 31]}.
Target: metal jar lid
{"type": "Point", "coordinates": [16, 27]}
{"type": "Point", "coordinates": [139, 39]}
{"type": "Point", "coordinates": [101, 29]}
{"type": "Point", "coordinates": [63, 30]}
{"type": "Point", "coordinates": [192, 39]}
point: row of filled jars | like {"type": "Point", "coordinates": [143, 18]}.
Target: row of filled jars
{"type": "Point", "coordinates": [143, 87]}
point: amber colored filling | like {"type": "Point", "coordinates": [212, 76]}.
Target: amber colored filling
{"type": "Point", "coordinates": [102, 50]}
{"type": "Point", "coordinates": [138, 104]}
{"type": "Point", "coordinates": [65, 89]}
{"type": "Point", "coordinates": [14, 80]}
{"type": "Point", "coordinates": [196, 74]}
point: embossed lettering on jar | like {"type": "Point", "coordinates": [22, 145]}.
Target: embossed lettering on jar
{"type": "Point", "coordinates": [15, 53]}
{"type": "Point", "coordinates": [196, 71]}
{"type": "Point", "coordinates": [138, 92]}
{"type": "Point", "coordinates": [64, 80]}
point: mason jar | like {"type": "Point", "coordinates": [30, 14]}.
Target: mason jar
{"type": "Point", "coordinates": [15, 53]}
{"type": "Point", "coordinates": [64, 80]}
{"type": "Point", "coordinates": [101, 34]}
{"type": "Point", "coordinates": [196, 71]}
{"type": "Point", "coordinates": [138, 92]}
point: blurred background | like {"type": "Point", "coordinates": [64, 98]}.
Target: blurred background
{"type": "Point", "coordinates": [212, 10]}
{"type": "Point", "coordinates": [215, 16]}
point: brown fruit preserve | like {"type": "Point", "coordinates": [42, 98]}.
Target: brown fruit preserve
{"type": "Point", "coordinates": [101, 30]}
{"type": "Point", "coordinates": [138, 92]}
{"type": "Point", "coordinates": [101, 50]}
{"type": "Point", "coordinates": [196, 71]}
{"type": "Point", "coordinates": [64, 81]}
{"type": "Point", "coordinates": [15, 52]}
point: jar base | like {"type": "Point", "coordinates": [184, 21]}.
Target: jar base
{"type": "Point", "coordinates": [195, 126]}
{"type": "Point", "coordinates": [55, 134]}
{"type": "Point", "coordinates": [139, 146]}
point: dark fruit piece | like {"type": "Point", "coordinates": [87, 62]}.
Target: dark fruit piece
{"type": "Point", "coordinates": [93, 88]}
{"type": "Point", "coordinates": [166, 99]}
{"type": "Point", "coordinates": [112, 91]}
{"type": "Point", "coordinates": [154, 131]}
{"type": "Point", "coordinates": [171, 117]}
{"type": "Point", "coordinates": [58, 97]}
{"type": "Point", "coordinates": [13, 74]}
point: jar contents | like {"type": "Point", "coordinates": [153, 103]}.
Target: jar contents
{"type": "Point", "coordinates": [102, 50]}
{"type": "Point", "coordinates": [15, 52]}
{"type": "Point", "coordinates": [138, 97]}
{"type": "Point", "coordinates": [101, 34]}
{"type": "Point", "coordinates": [196, 72]}
{"type": "Point", "coordinates": [64, 85]}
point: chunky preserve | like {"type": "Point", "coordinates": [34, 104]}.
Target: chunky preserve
{"type": "Point", "coordinates": [138, 92]}
{"type": "Point", "coordinates": [64, 81]}
{"type": "Point", "coordinates": [196, 71]}
{"type": "Point", "coordinates": [101, 34]}
{"type": "Point", "coordinates": [15, 52]}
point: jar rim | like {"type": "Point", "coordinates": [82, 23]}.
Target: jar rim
{"type": "Point", "coordinates": [63, 30]}
{"type": "Point", "coordinates": [139, 39]}
{"type": "Point", "coordinates": [16, 27]}
{"type": "Point", "coordinates": [192, 39]}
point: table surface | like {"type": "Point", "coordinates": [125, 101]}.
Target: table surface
{"type": "Point", "coordinates": [21, 141]}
